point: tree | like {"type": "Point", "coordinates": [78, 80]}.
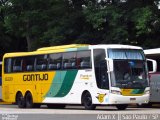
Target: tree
{"type": "Point", "coordinates": [27, 19]}
{"type": "Point", "coordinates": [39, 23]}
{"type": "Point", "coordinates": [141, 17]}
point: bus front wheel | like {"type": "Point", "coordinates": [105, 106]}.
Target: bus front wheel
{"type": "Point", "coordinates": [87, 101]}
{"type": "Point", "coordinates": [20, 101]}
{"type": "Point", "coordinates": [122, 106]}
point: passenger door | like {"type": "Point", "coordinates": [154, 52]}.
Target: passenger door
{"type": "Point", "coordinates": [103, 75]}
{"type": "Point", "coordinates": [100, 66]}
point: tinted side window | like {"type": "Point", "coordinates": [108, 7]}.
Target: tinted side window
{"type": "Point", "coordinates": [41, 62]}
{"type": "Point", "coordinates": [99, 55]}
{"type": "Point", "coordinates": [17, 64]}
{"type": "Point", "coordinates": [8, 65]}
{"type": "Point", "coordinates": [69, 60]}
{"type": "Point", "coordinates": [55, 61]}
{"type": "Point", "coordinates": [84, 59]}
{"type": "Point", "coordinates": [28, 63]}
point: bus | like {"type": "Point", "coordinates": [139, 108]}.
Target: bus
{"type": "Point", "coordinates": [83, 74]}
{"type": "Point", "coordinates": [153, 61]}
{"type": "Point", "coordinates": [0, 80]}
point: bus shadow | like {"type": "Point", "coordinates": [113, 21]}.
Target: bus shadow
{"type": "Point", "coordinates": [98, 108]}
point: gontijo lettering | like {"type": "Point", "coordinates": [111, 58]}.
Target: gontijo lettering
{"type": "Point", "coordinates": [35, 77]}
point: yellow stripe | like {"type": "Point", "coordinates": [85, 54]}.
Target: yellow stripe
{"type": "Point", "coordinates": [128, 92]}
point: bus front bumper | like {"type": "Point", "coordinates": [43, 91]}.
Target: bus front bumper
{"type": "Point", "coordinates": [120, 99]}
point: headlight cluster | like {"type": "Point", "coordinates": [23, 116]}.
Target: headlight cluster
{"type": "Point", "coordinates": [116, 92]}
{"type": "Point", "coordinates": [147, 92]}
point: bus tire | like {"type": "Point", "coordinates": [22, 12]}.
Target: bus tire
{"type": "Point", "coordinates": [29, 100]}
{"type": "Point", "coordinates": [20, 101]}
{"type": "Point", "coordinates": [122, 106]}
{"type": "Point", "coordinates": [87, 101]}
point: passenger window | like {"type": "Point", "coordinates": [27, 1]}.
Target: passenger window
{"type": "Point", "coordinates": [55, 61]}
{"type": "Point", "coordinates": [17, 64]}
{"type": "Point", "coordinates": [69, 60]}
{"type": "Point", "coordinates": [8, 65]}
{"type": "Point", "coordinates": [28, 63]}
{"type": "Point", "coordinates": [41, 62]}
{"type": "Point", "coordinates": [84, 59]}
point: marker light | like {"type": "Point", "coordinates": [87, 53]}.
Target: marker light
{"type": "Point", "coordinates": [115, 92]}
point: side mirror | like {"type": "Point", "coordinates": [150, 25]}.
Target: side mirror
{"type": "Point", "coordinates": [152, 65]}
{"type": "Point", "coordinates": [110, 64]}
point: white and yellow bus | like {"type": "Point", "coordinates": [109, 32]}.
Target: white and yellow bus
{"type": "Point", "coordinates": [90, 75]}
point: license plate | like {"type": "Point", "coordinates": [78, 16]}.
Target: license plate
{"type": "Point", "coordinates": [132, 99]}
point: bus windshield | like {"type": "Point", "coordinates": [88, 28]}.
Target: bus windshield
{"type": "Point", "coordinates": [129, 69]}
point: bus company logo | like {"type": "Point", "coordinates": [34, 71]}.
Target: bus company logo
{"type": "Point", "coordinates": [85, 77]}
{"type": "Point", "coordinates": [100, 97]}
{"type": "Point", "coordinates": [8, 78]}
{"type": "Point", "coordinates": [9, 117]}
{"type": "Point", "coordinates": [35, 77]}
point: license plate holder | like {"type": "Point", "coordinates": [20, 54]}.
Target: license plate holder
{"type": "Point", "coordinates": [132, 99]}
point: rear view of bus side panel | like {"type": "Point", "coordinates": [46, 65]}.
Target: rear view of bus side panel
{"type": "Point", "coordinates": [155, 87]}
{"type": "Point", "coordinates": [153, 62]}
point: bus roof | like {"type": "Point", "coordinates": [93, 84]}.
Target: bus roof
{"type": "Point", "coordinates": [62, 47]}
{"type": "Point", "coordinates": [118, 46]}
{"type": "Point", "coordinates": [52, 49]}
{"type": "Point", "coordinates": [152, 51]}
{"type": "Point", "coordinates": [71, 47]}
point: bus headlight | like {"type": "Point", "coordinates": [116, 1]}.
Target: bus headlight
{"type": "Point", "coordinates": [147, 92]}
{"type": "Point", "coordinates": [116, 92]}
